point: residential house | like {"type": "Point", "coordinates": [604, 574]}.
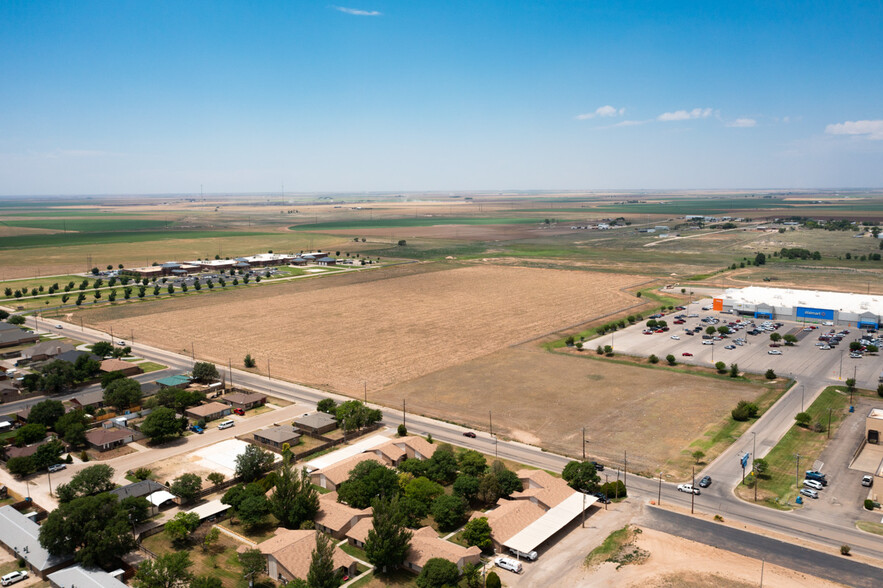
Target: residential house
{"type": "Point", "coordinates": [20, 536]}
{"type": "Point", "coordinates": [44, 350]}
{"type": "Point", "coordinates": [80, 577]}
{"type": "Point", "coordinates": [17, 336]}
{"type": "Point", "coordinates": [118, 365]}
{"type": "Point", "coordinates": [316, 423]}
{"type": "Point", "coordinates": [104, 439]}
{"type": "Point", "coordinates": [26, 451]}
{"type": "Point", "coordinates": [276, 437]}
{"type": "Point", "coordinates": [179, 381]}
{"type": "Point", "coordinates": [73, 355]}
{"type": "Point", "coordinates": [425, 545]}
{"type": "Point", "coordinates": [143, 488]}
{"type": "Point", "coordinates": [333, 476]}
{"type": "Point", "coordinates": [397, 450]}
{"type": "Point", "coordinates": [509, 518]}
{"type": "Point", "coordinates": [336, 518]}
{"type": "Point", "coordinates": [289, 554]}
{"type": "Point", "coordinates": [8, 390]}
{"type": "Point", "coordinates": [542, 488]}
{"type": "Point", "coordinates": [243, 400]}
{"type": "Point", "coordinates": [208, 412]}
{"type": "Point", "coordinates": [89, 400]}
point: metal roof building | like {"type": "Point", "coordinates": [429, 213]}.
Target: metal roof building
{"type": "Point", "coordinates": [80, 577]}
{"type": "Point", "coordinates": [21, 536]}
{"type": "Point", "coordinates": [555, 519]}
{"type": "Point", "coordinates": [842, 308]}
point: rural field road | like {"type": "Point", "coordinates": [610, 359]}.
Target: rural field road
{"type": "Point", "coordinates": [824, 532]}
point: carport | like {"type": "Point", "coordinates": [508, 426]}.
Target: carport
{"type": "Point", "coordinates": [555, 519]}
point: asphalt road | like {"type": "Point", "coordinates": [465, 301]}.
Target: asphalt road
{"type": "Point", "coordinates": [835, 568]}
{"type": "Point", "coordinates": [716, 500]}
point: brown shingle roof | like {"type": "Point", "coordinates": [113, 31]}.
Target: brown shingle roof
{"type": "Point", "coordinates": [339, 472]}
{"type": "Point", "coordinates": [396, 449]}
{"type": "Point", "coordinates": [334, 515]}
{"type": "Point", "coordinates": [104, 436]}
{"type": "Point", "coordinates": [242, 398]}
{"type": "Point", "coordinates": [543, 486]}
{"type": "Point", "coordinates": [205, 410]}
{"type": "Point", "coordinates": [293, 550]}
{"type": "Point", "coordinates": [510, 517]}
{"type": "Point", "coordinates": [426, 544]}
{"type": "Point", "coordinates": [113, 365]}
{"type": "Point", "coordinates": [359, 532]}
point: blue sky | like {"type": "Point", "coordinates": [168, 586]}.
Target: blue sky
{"type": "Point", "coordinates": [156, 97]}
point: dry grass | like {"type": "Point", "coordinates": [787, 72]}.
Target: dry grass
{"type": "Point", "coordinates": [385, 326]}
{"type": "Point", "coordinates": [546, 398]}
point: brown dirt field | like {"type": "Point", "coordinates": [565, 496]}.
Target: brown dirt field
{"type": "Point", "coordinates": [385, 326]}
{"type": "Point", "coordinates": [679, 563]}
{"type": "Point", "coordinates": [458, 232]}
{"type": "Point", "coordinates": [546, 398]}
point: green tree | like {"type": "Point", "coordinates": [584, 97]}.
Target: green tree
{"type": "Point", "coordinates": [252, 463]}
{"type": "Point", "coordinates": [442, 466]}
{"type": "Point", "coordinates": [803, 419]}
{"type": "Point", "coordinates": [472, 463]}
{"type": "Point", "coordinates": [327, 405]}
{"type": "Point", "coordinates": [210, 538]}
{"type": "Point", "coordinates": [734, 370]}
{"type": "Point", "coordinates": [88, 481]}
{"type": "Point", "coordinates": [770, 374]}
{"type": "Point", "coordinates": [294, 500]}
{"type": "Point", "coordinates": [181, 526]}
{"type": "Point", "coordinates": [252, 562]}
{"type": "Point", "coordinates": [205, 372]}
{"type": "Point", "coordinates": [710, 330]}
{"type": "Point", "coordinates": [253, 510]}
{"type": "Point", "coordinates": [478, 532]}
{"type": "Point", "coordinates": [206, 581]}
{"type": "Point", "coordinates": [775, 337]}
{"type": "Point", "coordinates": [109, 377]}
{"type": "Point", "coordinates": [790, 339]}
{"type": "Point", "coordinates": [698, 455]}
{"type": "Point", "coordinates": [493, 580]}
{"type": "Point", "coordinates": [161, 425]}
{"type": "Point", "coordinates": [466, 486]}
{"type": "Point", "coordinates": [95, 528]}
{"type": "Point", "coordinates": [30, 433]}
{"type": "Point", "coordinates": [322, 572]}
{"type": "Point", "coordinates": [16, 319]}
{"type": "Point", "coordinates": [72, 427]}
{"type": "Point", "coordinates": [216, 478]}
{"type": "Point", "coordinates": [20, 466]}
{"type": "Point", "coordinates": [249, 360]}
{"type": "Point", "coordinates": [137, 508]}
{"type": "Point", "coordinates": [472, 575]}
{"type": "Point", "coordinates": [760, 466]}
{"type": "Point", "coordinates": [368, 480]}
{"type": "Point", "coordinates": [46, 413]}
{"type": "Point", "coordinates": [438, 573]}
{"type": "Point", "coordinates": [449, 511]}
{"type": "Point", "coordinates": [123, 393]}
{"type": "Point", "coordinates": [508, 479]}
{"type": "Point", "coordinates": [671, 359]}
{"type": "Point", "coordinates": [186, 486]}
{"type": "Point", "coordinates": [102, 348]}
{"type": "Point", "coordinates": [581, 476]}
{"type": "Point", "coordinates": [721, 367]}
{"type": "Point", "coordinates": [489, 490]}
{"type": "Point", "coordinates": [388, 540]}
{"type": "Point", "coordinates": [171, 570]}
{"type": "Point", "coordinates": [423, 491]}
{"type": "Point", "coordinates": [47, 454]}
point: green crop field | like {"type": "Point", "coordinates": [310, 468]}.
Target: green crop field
{"type": "Point", "coordinates": [92, 225]}
{"type": "Point", "coordinates": [412, 222]}
{"type": "Point", "coordinates": [70, 239]}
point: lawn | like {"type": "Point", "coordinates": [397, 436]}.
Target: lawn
{"type": "Point", "coordinates": [150, 366]}
{"type": "Point", "coordinates": [220, 561]}
{"type": "Point", "coordinates": [870, 527]}
{"type": "Point", "coordinates": [258, 533]}
{"type": "Point", "coordinates": [354, 551]}
{"type": "Point", "coordinates": [398, 579]}
{"type": "Point", "coordinates": [780, 485]}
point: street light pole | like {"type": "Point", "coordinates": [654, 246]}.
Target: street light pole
{"type": "Point", "coordinates": [753, 469]}
{"type": "Point", "coordinates": [802, 391]}
{"type": "Point", "coordinates": [693, 491]}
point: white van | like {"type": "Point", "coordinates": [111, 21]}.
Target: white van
{"type": "Point", "coordinates": [507, 563]}
{"type": "Point", "coordinates": [531, 555]}
{"type": "Point", "coordinates": [226, 424]}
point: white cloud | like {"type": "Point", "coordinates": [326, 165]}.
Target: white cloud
{"type": "Point", "coordinates": [356, 11]}
{"type": "Point", "coordinates": [685, 114]}
{"type": "Point", "coordinates": [631, 123]}
{"type": "Point", "coordinates": [602, 111]}
{"type": "Point", "coordinates": [872, 129]}
{"type": "Point", "coordinates": [742, 123]}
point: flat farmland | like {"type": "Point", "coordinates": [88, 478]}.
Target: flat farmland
{"type": "Point", "coordinates": [546, 398]}
{"type": "Point", "coordinates": [382, 327]}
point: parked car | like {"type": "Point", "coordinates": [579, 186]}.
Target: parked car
{"type": "Point", "coordinates": [815, 485]}
{"type": "Point", "coordinates": [809, 492]}
{"type": "Point", "coordinates": [689, 489]}
{"type": "Point", "coordinates": [729, 347]}
{"type": "Point", "coordinates": [676, 337]}
{"type": "Point", "coordinates": [602, 498]}
{"type": "Point", "coordinates": [708, 342]}
{"type": "Point", "coordinates": [817, 476]}
{"type": "Point", "coordinates": [687, 354]}
{"type": "Point", "coordinates": [599, 467]}
{"type": "Point", "coordinates": [57, 327]}
{"type": "Point", "coordinates": [56, 467]}
{"type": "Point", "coordinates": [705, 482]}
{"type": "Point", "coordinates": [196, 429]}
{"type": "Point", "coordinates": [239, 411]}
{"type": "Point", "coordinates": [13, 577]}
{"type": "Point", "coordinates": [774, 352]}
{"type": "Point", "coordinates": [531, 555]}
{"type": "Point", "coordinates": [469, 434]}
{"type": "Point", "coordinates": [867, 481]}
{"type": "Point", "coordinates": [507, 563]}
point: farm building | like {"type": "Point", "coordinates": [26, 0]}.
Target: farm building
{"type": "Point", "coordinates": [289, 553]}
{"type": "Point", "coordinates": [811, 306]}
{"type": "Point", "coordinates": [104, 439]}
{"type": "Point", "coordinates": [316, 423]}
{"type": "Point", "coordinates": [243, 400]}
{"type": "Point", "coordinates": [80, 577]}
{"type": "Point", "coordinates": [118, 365]}
{"type": "Point", "coordinates": [208, 412]}
{"type": "Point", "coordinates": [20, 536]}
{"type": "Point", "coordinates": [277, 436]}
{"type": "Point", "coordinates": [336, 518]}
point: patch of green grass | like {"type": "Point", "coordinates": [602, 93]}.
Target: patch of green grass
{"type": "Point", "coordinates": [354, 551]}
{"type": "Point", "coordinates": [870, 527]}
{"type": "Point", "coordinates": [103, 238]}
{"type": "Point", "coordinates": [619, 548]}
{"type": "Point", "coordinates": [93, 224]}
{"type": "Point", "coordinates": [780, 482]}
{"type": "Point", "coordinates": [150, 366]}
{"type": "Point", "coordinates": [412, 222]}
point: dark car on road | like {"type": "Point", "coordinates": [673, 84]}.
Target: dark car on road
{"type": "Point", "coordinates": [469, 434]}
{"type": "Point", "coordinates": [705, 482]}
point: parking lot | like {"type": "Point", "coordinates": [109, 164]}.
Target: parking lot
{"type": "Point", "coordinates": [804, 358]}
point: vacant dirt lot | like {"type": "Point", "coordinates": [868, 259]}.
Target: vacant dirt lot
{"type": "Point", "coordinates": [546, 398]}
{"type": "Point", "coordinates": [385, 326]}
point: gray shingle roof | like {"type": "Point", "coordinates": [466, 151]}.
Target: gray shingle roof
{"type": "Point", "coordinates": [138, 489]}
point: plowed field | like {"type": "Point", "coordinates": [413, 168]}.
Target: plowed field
{"type": "Point", "coordinates": [385, 327]}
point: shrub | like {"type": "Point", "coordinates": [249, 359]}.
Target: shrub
{"type": "Point", "coordinates": [615, 489]}
{"type": "Point", "coordinates": [653, 359]}
{"type": "Point", "coordinates": [608, 350]}
{"type": "Point", "coordinates": [141, 473]}
{"type": "Point", "coordinates": [721, 367]}
{"type": "Point", "coordinates": [402, 431]}
{"type": "Point", "coordinates": [803, 419]}
{"type": "Point", "coordinates": [671, 359]}
{"type": "Point", "coordinates": [740, 413]}
{"type": "Point", "coordinates": [249, 361]}
{"type": "Point", "coordinates": [844, 549]}
{"type": "Point", "coordinates": [869, 504]}
{"type": "Point", "coordinates": [600, 351]}
{"type": "Point", "coordinates": [734, 370]}
{"type": "Point", "coordinates": [493, 580]}
{"type": "Point", "coordinates": [770, 374]}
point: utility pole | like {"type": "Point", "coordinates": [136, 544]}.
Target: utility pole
{"type": "Point", "coordinates": [230, 368]}
{"type": "Point", "coordinates": [625, 468]}
{"type": "Point", "coordinates": [797, 474]}
{"type": "Point", "coordinates": [762, 564]}
{"type": "Point", "coordinates": [606, 483]}
{"type": "Point", "coordinates": [584, 444]}
{"type": "Point", "coordinates": [802, 391]}
{"type": "Point", "coordinates": [366, 392]}
{"type": "Point", "coordinates": [192, 353]}
{"type": "Point", "coordinates": [49, 474]}
{"type": "Point", "coordinates": [693, 491]}
{"type": "Point", "coordinates": [403, 412]}
{"type": "Point", "coordinates": [659, 494]}
{"type": "Point", "coordinates": [490, 417]}
{"type": "Point", "coordinates": [268, 369]}
{"type": "Point", "coordinates": [752, 465]}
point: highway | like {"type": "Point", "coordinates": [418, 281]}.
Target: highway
{"type": "Point", "coordinates": [718, 499]}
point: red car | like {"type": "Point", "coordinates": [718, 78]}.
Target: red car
{"type": "Point", "coordinates": [239, 411]}
{"type": "Point", "coordinates": [680, 322]}
{"type": "Point", "coordinates": [687, 354]}
{"type": "Point", "coordinates": [469, 434]}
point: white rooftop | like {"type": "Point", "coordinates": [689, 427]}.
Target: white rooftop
{"type": "Point", "coordinates": [160, 496]}
{"type": "Point", "coordinates": [221, 457]}
{"type": "Point", "coordinates": [346, 452]}
{"type": "Point", "coordinates": [79, 577]}
{"type": "Point", "coordinates": [843, 301]}
{"type": "Point", "coordinates": [876, 413]}
{"type": "Point", "coordinates": [210, 509]}
{"type": "Point", "coordinates": [554, 519]}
